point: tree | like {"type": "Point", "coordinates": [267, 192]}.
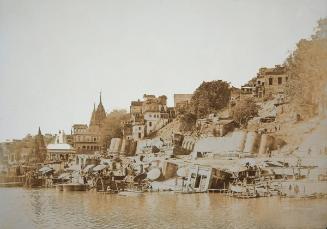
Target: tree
{"type": "Point", "coordinates": [188, 121]}
{"type": "Point", "coordinates": [244, 110]}
{"type": "Point", "coordinates": [210, 97]}
{"type": "Point", "coordinates": [112, 127]}
{"type": "Point", "coordinates": [307, 69]}
{"type": "Point", "coordinates": [321, 30]}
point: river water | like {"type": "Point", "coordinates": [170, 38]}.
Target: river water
{"type": "Point", "coordinates": [48, 208]}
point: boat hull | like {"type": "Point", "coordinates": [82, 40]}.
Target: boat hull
{"type": "Point", "coordinates": [11, 184]}
{"type": "Point", "coordinates": [130, 193]}
{"type": "Point", "coordinates": [73, 187]}
{"type": "Point", "coordinates": [59, 187]}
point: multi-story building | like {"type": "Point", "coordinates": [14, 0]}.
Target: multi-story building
{"type": "Point", "coordinates": [153, 104]}
{"type": "Point", "coordinates": [154, 121]}
{"type": "Point", "coordinates": [136, 108]}
{"type": "Point", "coordinates": [147, 116]}
{"type": "Point", "coordinates": [270, 82]}
{"type": "Point", "coordinates": [84, 140]}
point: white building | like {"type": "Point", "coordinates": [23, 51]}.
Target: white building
{"type": "Point", "coordinates": [60, 150]}
{"type": "Point", "coordinates": [138, 131]}
{"type": "Point", "coordinates": [154, 121]}
{"type": "Point", "coordinates": [147, 116]}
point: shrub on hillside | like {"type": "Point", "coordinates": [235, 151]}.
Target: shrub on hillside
{"type": "Point", "coordinates": [210, 97]}
{"type": "Point", "coordinates": [244, 110]}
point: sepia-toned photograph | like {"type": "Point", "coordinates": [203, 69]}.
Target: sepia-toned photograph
{"type": "Point", "coordinates": [163, 114]}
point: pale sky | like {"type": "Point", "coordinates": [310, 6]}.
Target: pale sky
{"type": "Point", "coordinates": [56, 56]}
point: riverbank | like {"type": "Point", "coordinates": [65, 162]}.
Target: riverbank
{"type": "Point", "coordinates": [48, 208]}
{"type": "Point", "coordinates": [239, 177]}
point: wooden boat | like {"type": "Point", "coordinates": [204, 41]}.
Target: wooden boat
{"type": "Point", "coordinates": [12, 181]}
{"type": "Point", "coordinates": [242, 192]}
{"type": "Point", "coordinates": [237, 188]}
{"type": "Point", "coordinates": [131, 193]}
{"type": "Point", "coordinates": [300, 196]}
{"type": "Point", "coordinates": [190, 192]}
{"type": "Point", "coordinates": [109, 191]}
{"type": "Point", "coordinates": [11, 184]}
{"type": "Point", "coordinates": [246, 195]}
{"type": "Point", "coordinates": [34, 182]}
{"type": "Point", "coordinates": [74, 187]}
{"type": "Point", "coordinates": [59, 187]}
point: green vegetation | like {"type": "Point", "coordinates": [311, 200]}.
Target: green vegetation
{"type": "Point", "coordinates": [188, 121]}
{"type": "Point", "coordinates": [244, 110]}
{"type": "Point", "coordinates": [307, 68]}
{"type": "Point", "coordinates": [209, 97]}
{"type": "Point", "coordinates": [112, 127]}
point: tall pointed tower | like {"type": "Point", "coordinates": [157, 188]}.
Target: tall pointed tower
{"type": "Point", "coordinates": [92, 120]}
{"type": "Point", "coordinates": [98, 115]}
{"type": "Point", "coordinates": [39, 152]}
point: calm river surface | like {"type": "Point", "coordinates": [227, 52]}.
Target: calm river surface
{"type": "Point", "coordinates": [48, 208]}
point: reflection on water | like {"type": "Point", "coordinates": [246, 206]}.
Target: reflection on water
{"type": "Point", "coordinates": [21, 208]}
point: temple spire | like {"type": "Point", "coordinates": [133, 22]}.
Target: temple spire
{"type": "Point", "coordinates": [92, 121]}
{"type": "Point", "coordinates": [39, 132]}
{"type": "Point", "coordinates": [98, 114]}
